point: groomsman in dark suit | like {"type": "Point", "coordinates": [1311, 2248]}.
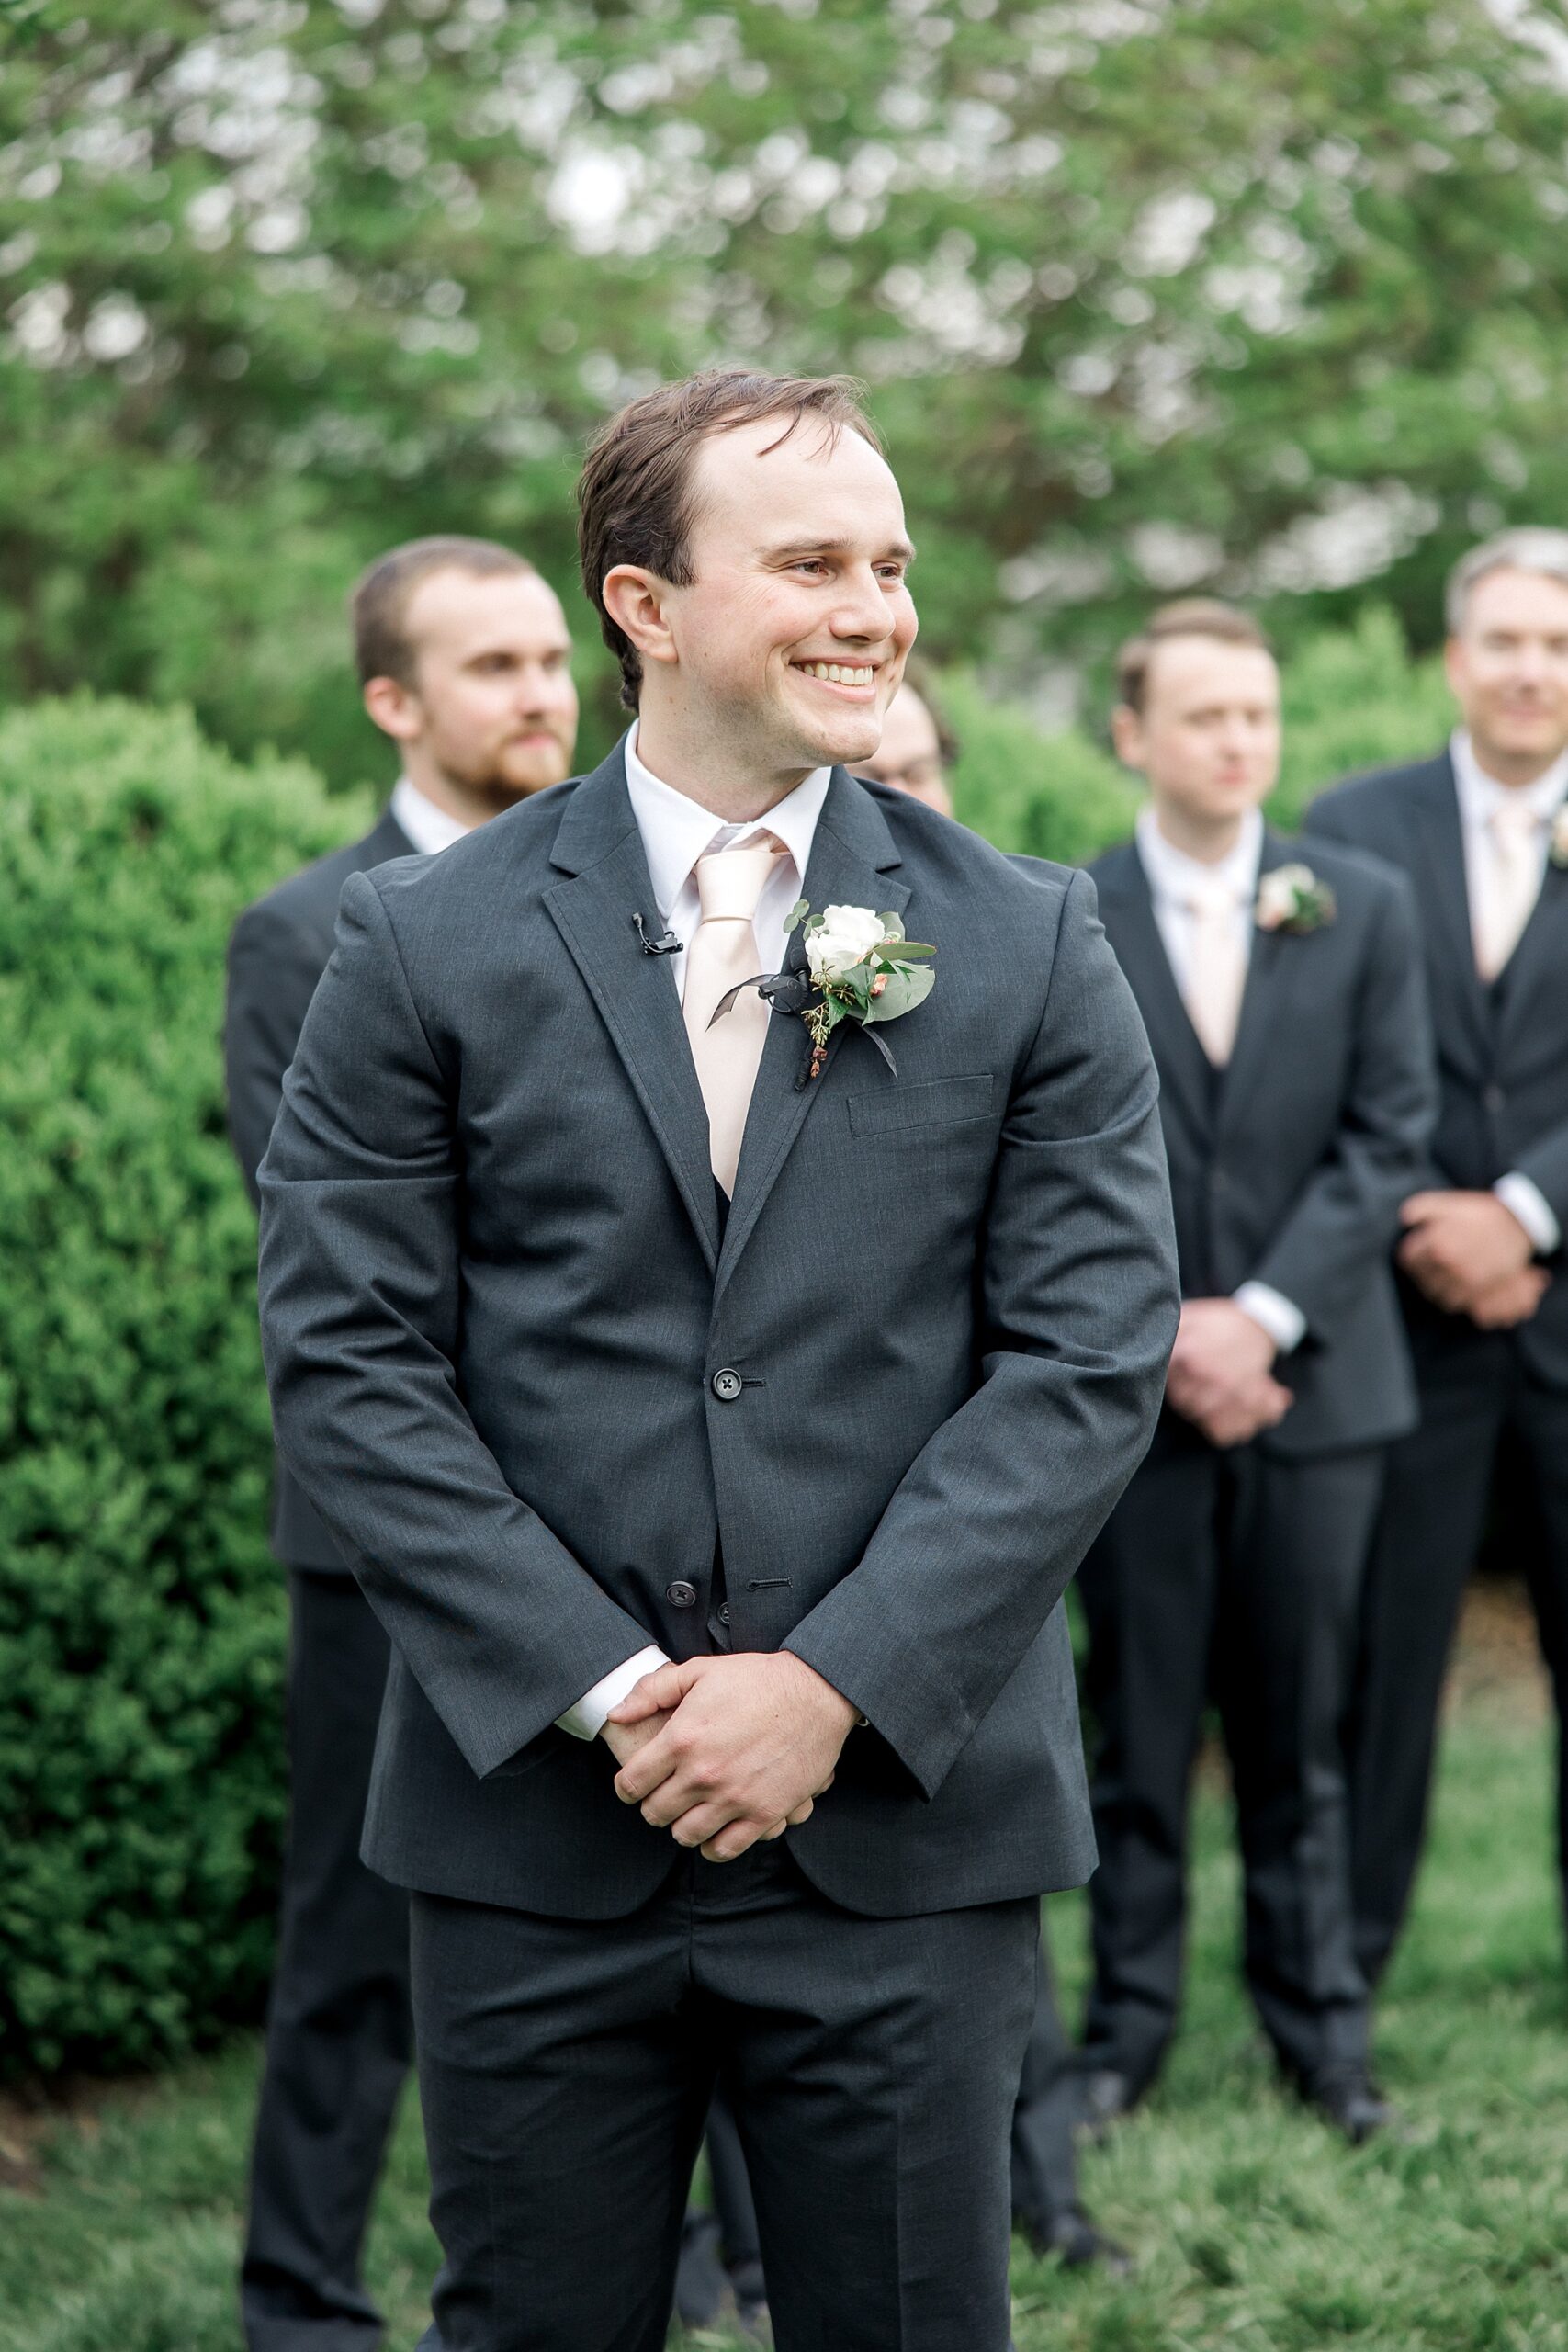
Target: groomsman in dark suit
{"type": "Point", "coordinates": [1285, 1008]}
{"type": "Point", "coordinates": [463, 656]}
{"type": "Point", "coordinates": [1483, 831]}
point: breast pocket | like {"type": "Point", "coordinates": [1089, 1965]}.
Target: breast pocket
{"type": "Point", "coordinates": [940, 1102]}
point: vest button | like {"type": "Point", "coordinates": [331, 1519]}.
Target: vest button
{"type": "Point", "coordinates": [681, 1595]}
{"type": "Point", "coordinates": [726, 1385]}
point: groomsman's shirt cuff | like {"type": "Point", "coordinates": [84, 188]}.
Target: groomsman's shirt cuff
{"type": "Point", "coordinates": [588, 1718]}
{"type": "Point", "coordinates": [1529, 1205]}
{"type": "Point", "coordinates": [1273, 1313]}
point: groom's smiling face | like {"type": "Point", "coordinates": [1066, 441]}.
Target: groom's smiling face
{"type": "Point", "coordinates": [794, 630]}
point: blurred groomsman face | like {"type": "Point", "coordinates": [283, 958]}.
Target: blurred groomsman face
{"type": "Point", "coordinates": [909, 755]}
{"type": "Point", "coordinates": [1207, 737]}
{"type": "Point", "coordinates": [489, 714]}
{"type": "Point", "coordinates": [1509, 669]}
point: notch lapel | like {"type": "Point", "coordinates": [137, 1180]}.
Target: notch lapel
{"type": "Point", "coordinates": [600, 849]}
{"type": "Point", "coordinates": [1540, 959]}
{"type": "Point", "coordinates": [1185, 1067]}
{"type": "Point", "coordinates": [1446, 897]}
{"type": "Point", "coordinates": [853, 855]}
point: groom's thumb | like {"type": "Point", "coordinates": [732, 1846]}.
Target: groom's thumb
{"type": "Point", "coordinates": [656, 1694]}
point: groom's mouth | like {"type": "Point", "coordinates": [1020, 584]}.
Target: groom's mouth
{"type": "Point", "coordinates": [848, 681]}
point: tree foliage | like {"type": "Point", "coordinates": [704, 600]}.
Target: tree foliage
{"type": "Point", "coordinates": [1151, 295]}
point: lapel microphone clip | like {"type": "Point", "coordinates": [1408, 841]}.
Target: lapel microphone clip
{"type": "Point", "coordinates": [665, 944]}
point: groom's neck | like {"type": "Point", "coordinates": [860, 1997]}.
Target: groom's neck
{"type": "Point", "coordinates": [736, 781]}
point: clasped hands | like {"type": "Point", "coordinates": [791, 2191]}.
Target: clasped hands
{"type": "Point", "coordinates": [727, 1752]}
{"type": "Point", "coordinates": [1220, 1377]}
{"type": "Point", "coordinates": [1471, 1256]}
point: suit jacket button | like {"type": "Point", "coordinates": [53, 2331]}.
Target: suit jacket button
{"type": "Point", "coordinates": [726, 1385]}
{"type": "Point", "coordinates": [681, 1595]}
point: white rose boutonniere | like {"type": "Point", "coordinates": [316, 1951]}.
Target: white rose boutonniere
{"type": "Point", "coordinates": [858, 967]}
{"type": "Point", "coordinates": [1559, 849]}
{"type": "Point", "coordinates": [1291, 899]}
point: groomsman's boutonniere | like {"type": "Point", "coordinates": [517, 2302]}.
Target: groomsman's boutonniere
{"type": "Point", "coordinates": [1559, 850]}
{"type": "Point", "coordinates": [1293, 899]}
{"type": "Point", "coordinates": [857, 969]}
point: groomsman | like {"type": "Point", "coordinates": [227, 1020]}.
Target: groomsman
{"type": "Point", "coordinates": [463, 655]}
{"type": "Point", "coordinates": [918, 746]}
{"type": "Point", "coordinates": [1483, 831]}
{"type": "Point", "coordinates": [1285, 1008]}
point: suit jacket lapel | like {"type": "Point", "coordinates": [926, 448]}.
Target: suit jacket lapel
{"type": "Point", "coordinates": [853, 855]}
{"type": "Point", "coordinates": [1447, 902]}
{"type": "Point", "coordinates": [1541, 957]}
{"type": "Point", "coordinates": [1185, 1067]}
{"type": "Point", "coordinates": [599, 847]}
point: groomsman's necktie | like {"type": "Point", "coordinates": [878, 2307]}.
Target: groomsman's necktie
{"type": "Point", "coordinates": [1216, 967]}
{"type": "Point", "coordinates": [724, 951]}
{"type": "Point", "coordinates": [1510, 883]}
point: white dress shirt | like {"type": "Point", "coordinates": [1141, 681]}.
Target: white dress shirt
{"type": "Point", "coordinates": [676, 832]}
{"type": "Point", "coordinates": [1174, 880]}
{"type": "Point", "coordinates": [1479, 794]}
{"type": "Point", "coordinates": [428, 827]}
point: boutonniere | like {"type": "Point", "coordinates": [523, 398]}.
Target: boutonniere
{"type": "Point", "coordinates": [1293, 899]}
{"type": "Point", "coordinates": [1559, 849]}
{"type": "Point", "coordinates": [858, 968]}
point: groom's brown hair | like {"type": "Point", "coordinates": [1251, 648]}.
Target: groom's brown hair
{"type": "Point", "coordinates": [634, 497]}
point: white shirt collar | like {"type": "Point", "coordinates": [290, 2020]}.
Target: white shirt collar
{"type": "Point", "coordinates": [1478, 793]}
{"type": "Point", "coordinates": [1173, 875]}
{"type": "Point", "coordinates": [428, 827]}
{"type": "Point", "coordinates": [677, 830]}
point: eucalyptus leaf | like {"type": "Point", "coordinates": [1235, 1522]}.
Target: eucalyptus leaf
{"type": "Point", "coordinates": [903, 993]}
{"type": "Point", "coordinates": [797, 915]}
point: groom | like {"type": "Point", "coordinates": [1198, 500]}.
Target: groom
{"type": "Point", "coordinates": [604, 1337]}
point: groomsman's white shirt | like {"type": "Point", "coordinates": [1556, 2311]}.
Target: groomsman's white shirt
{"type": "Point", "coordinates": [1479, 794]}
{"type": "Point", "coordinates": [428, 827]}
{"type": "Point", "coordinates": [1174, 879]}
{"type": "Point", "coordinates": [676, 832]}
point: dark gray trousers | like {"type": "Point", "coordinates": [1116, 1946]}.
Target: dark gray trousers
{"type": "Point", "coordinates": [565, 2069]}
{"type": "Point", "coordinates": [337, 2029]}
{"type": "Point", "coordinates": [1233, 1575]}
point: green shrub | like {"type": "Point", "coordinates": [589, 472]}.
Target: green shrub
{"type": "Point", "coordinates": [142, 1619]}
{"type": "Point", "coordinates": [1353, 699]}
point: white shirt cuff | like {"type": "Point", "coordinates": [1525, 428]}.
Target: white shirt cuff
{"type": "Point", "coordinates": [588, 1718]}
{"type": "Point", "coordinates": [1273, 1313]}
{"type": "Point", "coordinates": [1529, 1205]}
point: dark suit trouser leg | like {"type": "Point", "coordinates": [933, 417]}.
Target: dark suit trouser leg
{"type": "Point", "coordinates": [1540, 1420]}
{"type": "Point", "coordinates": [732, 2199]}
{"type": "Point", "coordinates": [1294, 1554]}
{"type": "Point", "coordinates": [567, 2067]}
{"type": "Point", "coordinates": [338, 2035]}
{"type": "Point", "coordinates": [1428, 1532]}
{"type": "Point", "coordinates": [1044, 2159]}
{"type": "Point", "coordinates": [1148, 1588]}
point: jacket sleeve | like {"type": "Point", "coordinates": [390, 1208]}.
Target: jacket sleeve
{"type": "Point", "coordinates": [1346, 1217]}
{"type": "Point", "coordinates": [272, 972]}
{"type": "Point", "coordinates": [500, 1627]}
{"type": "Point", "coordinates": [1079, 1301]}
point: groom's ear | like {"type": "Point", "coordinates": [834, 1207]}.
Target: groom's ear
{"type": "Point", "coordinates": [637, 602]}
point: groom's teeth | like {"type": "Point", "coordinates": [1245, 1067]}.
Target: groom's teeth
{"type": "Point", "coordinates": [836, 675]}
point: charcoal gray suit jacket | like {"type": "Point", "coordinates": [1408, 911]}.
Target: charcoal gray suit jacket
{"type": "Point", "coordinates": [534, 1393]}
{"type": "Point", "coordinates": [279, 948]}
{"type": "Point", "coordinates": [1502, 1050]}
{"type": "Point", "coordinates": [1290, 1166]}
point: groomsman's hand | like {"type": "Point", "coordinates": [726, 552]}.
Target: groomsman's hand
{"type": "Point", "coordinates": [747, 1741]}
{"type": "Point", "coordinates": [1513, 1300]}
{"type": "Point", "coordinates": [624, 1740]}
{"type": "Point", "coordinates": [1460, 1246]}
{"type": "Point", "coordinates": [1219, 1377]}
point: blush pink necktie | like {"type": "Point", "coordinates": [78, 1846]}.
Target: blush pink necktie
{"type": "Point", "coordinates": [1511, 881]}
{"type": "Point", "coordinates": [722, 954]}
{"type": "Point", "coordinates": [1216, 970]}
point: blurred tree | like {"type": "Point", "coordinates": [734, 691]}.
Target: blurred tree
{"type": "Point", "coordinates": [1153, 295]}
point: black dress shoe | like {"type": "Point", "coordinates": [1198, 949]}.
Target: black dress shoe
{"type": "Point", "coordinates": [1105, 2095]}
{"type": "Point", "coordinates": [1070, 2235]}
{"type": "Point", "coordinates": [1346, 2097]}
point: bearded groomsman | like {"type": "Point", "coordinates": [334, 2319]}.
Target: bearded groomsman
{"type": "Point", "coordinates": [1482, 829]}
{"type": "Point", "coordinates": [1284, 1006]}
{"type": "Point", "coordinates": [463, 654]}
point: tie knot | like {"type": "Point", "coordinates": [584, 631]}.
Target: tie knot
{"type": "Point", "coordinates": [1213, 895]}
{"type": "Point", "coordinates": [1514, 819]}
{"type": "Point", "coordinates": [731, 881]}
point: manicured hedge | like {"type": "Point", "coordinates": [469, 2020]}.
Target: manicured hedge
{"type": "Point", "coordinates": [140, 1618]}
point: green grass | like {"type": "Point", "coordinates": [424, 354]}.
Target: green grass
{"type": "Point", "coordinates": [1254, 2231]}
